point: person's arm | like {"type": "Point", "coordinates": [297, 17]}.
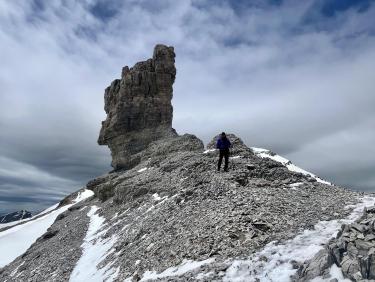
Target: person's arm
{"type": "Point", "coordinates": [218, 144]}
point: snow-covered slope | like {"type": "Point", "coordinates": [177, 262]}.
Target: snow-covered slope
{"type": "Point", "coordinates": [95, 249]}
{"type": "Point", "coordinates": [264, 153]}
{"type": "Point", "coordinates": [16, 240]}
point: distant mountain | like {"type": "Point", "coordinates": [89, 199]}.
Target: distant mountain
{"type": "Point", "coordinates": [15, 216]}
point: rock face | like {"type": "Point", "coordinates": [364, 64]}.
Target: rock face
{"type": "Point", "coordinates": [138, 107]}
{"type": "Point", "coordinates": [353, 250]}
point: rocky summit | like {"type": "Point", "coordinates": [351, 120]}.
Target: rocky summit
{"type": "Point", "coordinates": [139, 108]}
{"type": "Point", "coordinates": [170, 216]}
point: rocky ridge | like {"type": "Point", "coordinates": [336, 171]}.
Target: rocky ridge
{"type": "Point", "coordinates": [174, 207]}
{"type": "Point", "coordinates": [353, 250]}
{"type": "Point", "coordinates": [170, 208]}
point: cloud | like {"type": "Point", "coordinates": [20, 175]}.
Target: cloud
{"type": "Point", "coordinates": [29, 187]}
{"type": "Point", "coordinates": [292, 76]}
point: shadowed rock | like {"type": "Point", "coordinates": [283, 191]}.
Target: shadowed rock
{"type": "Point", "coordinates": [138, 107]}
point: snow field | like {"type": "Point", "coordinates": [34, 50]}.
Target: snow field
{"type": "Point", "coordinates": [16, 240]}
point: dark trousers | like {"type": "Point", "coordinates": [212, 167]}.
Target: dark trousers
{"type": "Point", "coordinates": [223, 154]}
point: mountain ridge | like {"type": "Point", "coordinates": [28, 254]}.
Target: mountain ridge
{"type": "Point", "coordinates": [180, 203]}
{"type": "Point", "coordinates": [165, 214]}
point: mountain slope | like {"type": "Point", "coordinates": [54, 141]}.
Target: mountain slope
{"type": "Point", "coordinates": [264, 153]}
{"type": "Point", "coordinates": [16, 240]}
{"type": "Point", "coordinates": [174, 217]}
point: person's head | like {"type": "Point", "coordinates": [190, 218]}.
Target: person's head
{"type": "Point", "coordinates": [223, 135]}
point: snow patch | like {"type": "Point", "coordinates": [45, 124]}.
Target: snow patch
{"type": "Point", "coordinates": [17, 239]}
{"type": "Point", "coordinates": [156, 197]}
{"type": "Point", "coordinates": [204, 275]}
{"type": "Point", "coordinates": [142, 169]}
{"type": "Point", "coordinates": [150, 209]}
{"type": "Point", "coordinates": [16, 269]}
{"type": "Point", "coordinates": [83, 195]}
{"type": "Point", "coordinates": [184, 267]}
{"type": "Point", "coordinates": [159, 200]}
{"type": "Point", "coordinates": [294, 186]}
{"type": "Point", "coordinates": [273, 263]}
{"type": "Point", "coordinates": [335, 272]}
{"type": "Point", "coordinates": [297, 184]}
{"type": "Point", "coordinates": [94, 251]}
{"type": "Point", "coordinates": [209, 151]}
{"type": "Point", "coordinates": [263, 153]}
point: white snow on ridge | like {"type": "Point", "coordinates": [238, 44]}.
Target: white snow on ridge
{"type": "Point", "coordinates": [156, 197]}
{"type": "Point", "coordinates": [142, 169]}
{"type": "Point", "coordinates": [184, 267]}
{"type": "Point", "coordinates": [209, 151]}
{"type": "Point", "coordinates": [278, 266]}
{"type": "Point", "coordinates": [16, 240]}
{"type": "Point", "coordinates": [94, 251]}
{"type": "Point", "coordinates": [264, 153]}
{"type": "Point", "coordinates": [83, 195]}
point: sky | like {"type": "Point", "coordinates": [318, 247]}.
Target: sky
{"type": "Point", "coordinates": [296, 77]}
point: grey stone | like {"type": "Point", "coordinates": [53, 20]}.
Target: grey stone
{"type": "Point", "coordinates": [354, 249]}
{"type": "Point", "coordinates": [350, 267]}
{"type": "Point", "coordinates": [317, 266]}
{"type": "Point", "coordinates": [138, 107]}
{"type": "Point", "coordinates": [370, 237]}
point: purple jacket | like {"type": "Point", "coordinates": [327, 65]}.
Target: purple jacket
{"type": "Point", "coordinates": [223, 144]}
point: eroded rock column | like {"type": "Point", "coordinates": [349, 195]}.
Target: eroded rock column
{"type": "Point", "coordinates": [139, 108]}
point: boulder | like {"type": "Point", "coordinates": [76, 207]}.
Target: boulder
{"type": "Point", "coordinates": [317, 266]}
{"type": "Point", "coordinates": [238, 146]}
{"type": "Point", "coordinates": [353, 250]}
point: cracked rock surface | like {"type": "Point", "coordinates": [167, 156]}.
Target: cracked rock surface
{"type": "Point", "coordinates": [139, 108]}
{"type": "Point", "coordinates": [353, 250]}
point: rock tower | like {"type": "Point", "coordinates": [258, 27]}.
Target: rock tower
{"type": "Point", "coordinates": [138, 107]}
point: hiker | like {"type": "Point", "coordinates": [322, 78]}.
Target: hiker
{"type": "Point", "coordinates": [223, 144]}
